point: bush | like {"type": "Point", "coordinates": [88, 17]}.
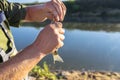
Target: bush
{"type": "Point", "coordinates": [43, 73]}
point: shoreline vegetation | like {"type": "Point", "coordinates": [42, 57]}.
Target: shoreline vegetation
{"type": "Point", "coordinates": [92, 15]}
{"type": "Point", "coordinates": [44, 73]}
{"type": "Point", "coordinates": [87, 26]}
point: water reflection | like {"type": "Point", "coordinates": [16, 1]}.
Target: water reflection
{"type": "Point", "coordinates": [88, 48]}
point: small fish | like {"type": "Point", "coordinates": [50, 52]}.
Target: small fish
{"type": "Point", "coordinates": [56, 57]}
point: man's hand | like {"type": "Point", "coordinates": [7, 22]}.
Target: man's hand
{"type": "Point", "coordinates": [53, 10]}
{"type": "Point", "coordinates": [50, 38]}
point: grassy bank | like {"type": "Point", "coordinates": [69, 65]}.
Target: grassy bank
{"type": "Point", "coordinates": [43, 73]}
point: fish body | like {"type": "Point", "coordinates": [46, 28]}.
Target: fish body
{"type": "Point", "coordinates": [56, 57]}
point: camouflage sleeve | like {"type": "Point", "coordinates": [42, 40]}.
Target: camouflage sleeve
{"type": "Point", "coordinates": [14, 12]}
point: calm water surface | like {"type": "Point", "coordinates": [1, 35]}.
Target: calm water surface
{"type": "Point", "coordinates": [90, 50]}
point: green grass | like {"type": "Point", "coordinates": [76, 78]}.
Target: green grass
{"type": "Point", "coordinates": [43, 73]}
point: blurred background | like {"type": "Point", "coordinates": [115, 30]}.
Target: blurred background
{"type": "Point", "coordinates": [92, 35]}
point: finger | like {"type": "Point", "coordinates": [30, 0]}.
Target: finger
{"type": "Point", "coordinates": [58, 9]}
{"type": "Point", "coordinates": [61, 4]}
{"type": "Point", "coordinates": [60, 44]}
{"type": "Point", "coordinates": [58, 24]}
{"type": "Point", "coordinates": [52, 14]}
{"type": "Point", "coordinates": [55, 16]}
{"type": "Point", "coordinates": [63, 9]}
{"type": "Point", "coordinates": [61, 31]}
{"type": "Point", "coordinates": [62, 37]}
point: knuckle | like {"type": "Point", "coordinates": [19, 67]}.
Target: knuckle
{"type": "Point", "coordinates": [59, 24]}
{"type": "Point", "coordinates": [63, 31]}
{"type": "Point", "coordinates": [59, 44]}
{"type": "Point", "coordinates": [63, 37]}
{"type": "Point", "coordinates": [62, 44]}
{"type": "Point", "coordinates": [57, 41]}
{"type": "Point", "coordinates": [52, 26]}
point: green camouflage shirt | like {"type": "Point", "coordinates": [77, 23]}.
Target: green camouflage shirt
{"type": "Point", "coordinates": [14, 13]}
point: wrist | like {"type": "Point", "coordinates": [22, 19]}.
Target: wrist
{"type": "Point", "coordinates": [38, 50]}
{"type": "Point", "coordinates": [33, 11]}
{"type": "Point", "coordinates": [28, 16]}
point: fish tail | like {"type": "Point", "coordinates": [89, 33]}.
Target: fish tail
{"type": "Point", "coordinates": [57, 58]}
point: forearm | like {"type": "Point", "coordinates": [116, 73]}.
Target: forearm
{"type": "Point", "coordinates": [17, 67]}
{"type": "Point", "coordinates": [30, 11]}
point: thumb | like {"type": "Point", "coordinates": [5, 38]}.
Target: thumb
{"type": "Point", "coordinates": [50, 16]}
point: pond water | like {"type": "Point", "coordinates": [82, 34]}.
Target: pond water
{"type": "Point", "coordinates": [83, 49]}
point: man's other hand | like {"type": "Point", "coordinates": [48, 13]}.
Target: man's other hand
{"type": "Point", "coordinates": [53, 10]}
